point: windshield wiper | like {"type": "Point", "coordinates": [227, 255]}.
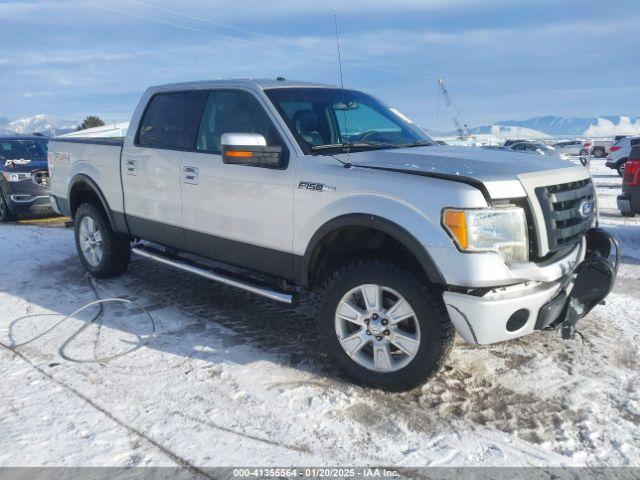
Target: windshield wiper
{"type": "Point", "coordinates": [345, 145]}
{"type": "Point", "coordinates": [418, 143]}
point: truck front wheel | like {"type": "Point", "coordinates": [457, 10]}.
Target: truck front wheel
{"type": "Point", "coordinates": [103, 252]}
{"type": "Point", "coordinates": [384, 326]}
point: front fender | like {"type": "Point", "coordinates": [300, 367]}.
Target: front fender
{"type": "Point", "coordinates": [415, 229]}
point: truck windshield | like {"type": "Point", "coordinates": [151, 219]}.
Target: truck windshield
{"type": "Point", "coordinates": [23, 150]}
{"type": "Point", "coordinates": [326, 120]}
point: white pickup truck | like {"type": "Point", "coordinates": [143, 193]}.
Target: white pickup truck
{"type": "Point", "coordinates": [279, 187]}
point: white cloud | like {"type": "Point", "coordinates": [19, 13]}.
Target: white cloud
{"type": "Point", "coordinates": [82, 54]}
{"type": "Point", "coordinates": [35, 94]}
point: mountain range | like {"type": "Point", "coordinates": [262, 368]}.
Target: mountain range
{"type": "Point", "coordinates": [40, 123]}
{"type": "Point", "coordinates": [536, 127]}
{"type": "Point", "coordinates": [553, 126]}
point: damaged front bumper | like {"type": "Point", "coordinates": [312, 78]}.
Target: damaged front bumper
{"type": "Point", "coordinates": [509, 312]}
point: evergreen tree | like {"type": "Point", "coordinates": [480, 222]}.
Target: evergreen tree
{"type": "Point", "coordinates": [90, 122]}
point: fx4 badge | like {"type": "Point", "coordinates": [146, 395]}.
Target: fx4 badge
{"type": "Point", "coordinates": [318, 187]}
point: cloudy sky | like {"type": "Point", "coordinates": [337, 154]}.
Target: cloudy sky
{"type": "Point", "coordinates": [501, 59]}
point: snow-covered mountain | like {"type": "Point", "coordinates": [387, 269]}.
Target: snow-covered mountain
{"type": "Point", "coordinates": [553, 126]}
{"type": "Point", "coordinates": [41, 123]}
{"type": "Point", "coordinates": [603, 126]}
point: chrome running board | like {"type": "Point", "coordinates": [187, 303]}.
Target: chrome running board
{"type": "Point", "coordinates": [188, 266]}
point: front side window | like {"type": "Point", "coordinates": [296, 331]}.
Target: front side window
{"type": "Point", "coordinates": [325, 119]}
{"type": "Point", "coordinates": [232, 112]}
{"type": "Point", "coordinates": [164, 121]}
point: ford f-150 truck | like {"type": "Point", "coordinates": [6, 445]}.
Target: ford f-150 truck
{"type": "Point", "coordinates": [280, 187]}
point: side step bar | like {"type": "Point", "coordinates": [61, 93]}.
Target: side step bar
{"type": "Point", "coordinates": [187, 266]}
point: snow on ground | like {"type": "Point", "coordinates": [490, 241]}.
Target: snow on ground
{"type": "Point", "coordinates": [230, 379]}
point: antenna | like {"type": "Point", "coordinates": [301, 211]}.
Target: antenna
{"type": "Point", "coordinates": [344, 102]}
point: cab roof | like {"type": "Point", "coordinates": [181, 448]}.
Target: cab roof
{"type": "Point", "coordinates": [252, 83]}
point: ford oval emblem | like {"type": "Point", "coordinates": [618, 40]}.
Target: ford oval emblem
{"type": "Point", "coordinates": [585, 209]}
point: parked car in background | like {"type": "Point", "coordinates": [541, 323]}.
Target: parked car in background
{"type": "Point", "coordinates": [619, 153]}
{"type": "Point", "coordinates": [538, 149]}
{"type": "Point", "coordinates": [629, 201]}
{"type": "Point", "coordinates": [596, 148]}
{"type": "Point", "coordinates": [496, 147]}
{"type": "Point", "coordinates": [24, 180]}
{"type": "Point", "coordinates": [570, 147]}
{"type": "Point", "coordinates": [511, 141]}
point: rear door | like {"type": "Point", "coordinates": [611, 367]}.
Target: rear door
{"type": "Point", "coordinates": [151, 169]}
{"type": "Point", "coordinates": [238, 214]}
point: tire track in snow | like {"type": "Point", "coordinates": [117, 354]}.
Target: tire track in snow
{"type": "Point", "coordinates": [182, 462]}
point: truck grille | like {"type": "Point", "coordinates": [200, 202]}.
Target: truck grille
{"type": "Point", "coordinates": [569, 211]}
{"type": "Point", "coordinates": [41, 178]}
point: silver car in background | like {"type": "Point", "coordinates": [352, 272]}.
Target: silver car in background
{"type": "Point", "coordinates": [570, 147]}
{"type": "Point", "coordinates": [538, 149]}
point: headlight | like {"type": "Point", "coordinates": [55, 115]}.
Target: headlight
{"type": "Point", "coordinates": [501, 230]}
{"type": "Point", "coordinates": [16, 177]}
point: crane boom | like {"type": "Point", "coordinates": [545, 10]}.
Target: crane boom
{"type": "Point", "coordinates": [463, 131]}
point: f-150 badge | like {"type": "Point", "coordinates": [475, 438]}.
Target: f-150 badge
{"type": "Point", "coordinates": [318, 187]}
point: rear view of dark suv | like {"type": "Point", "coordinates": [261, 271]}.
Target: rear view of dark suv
{"type": "Point", "coordinates": [24, 178]}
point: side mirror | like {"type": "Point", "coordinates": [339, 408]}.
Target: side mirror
{"type": "Point", "coordinates": [249, 149]}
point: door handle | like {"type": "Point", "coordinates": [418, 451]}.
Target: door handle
{"type": "Point", "coordinates": [130, 167]}
{"type": "Point", "coordinates": [190, 175]}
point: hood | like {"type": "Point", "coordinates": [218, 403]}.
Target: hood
{"type": "Point", "coordinates": [496, 172]}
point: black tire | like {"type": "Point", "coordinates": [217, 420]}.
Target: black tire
{"type": "Point", "coordinates": [599, 152]}
{"type": "Point", "coordinates": [436, 338]}
{"type": "Point", "coordinates": [620, 168]}
{"type": "Point", "coordinates": [5, 213]}
{"type": "Point", "coordinates": [628, 214]}
{"type": "Point", "coordinates": [116, 249]}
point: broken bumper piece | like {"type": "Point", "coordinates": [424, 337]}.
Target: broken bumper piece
{"type": "Point", "coordinates": [510, 312]}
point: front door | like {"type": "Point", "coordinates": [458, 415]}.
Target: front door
{"type": "Point", "coordinates": [151, 169]}
{"type": "Point", "coordinates": [238, 214]}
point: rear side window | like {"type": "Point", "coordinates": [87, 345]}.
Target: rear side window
{"type": "Point", "coordinates": [164, 122]}
{"type": "Point", "coordinates": [635, 142]}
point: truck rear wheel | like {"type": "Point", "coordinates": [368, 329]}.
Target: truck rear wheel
{"type": "Point", "coordinates": [103, 252]}
{"type": "Point", "coordinates": [383, 326]}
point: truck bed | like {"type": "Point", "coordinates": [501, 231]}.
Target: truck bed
{"type": "Point", "coordinates": [94, 159]}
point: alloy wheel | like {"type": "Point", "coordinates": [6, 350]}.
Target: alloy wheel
{"type": "Point", "coordinates": [90, 239]}
{"type": "Point", "coordinates": [377, 328]}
